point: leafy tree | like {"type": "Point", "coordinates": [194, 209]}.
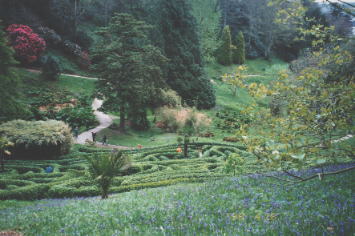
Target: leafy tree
{"type": "Point", "coordinates": [224, 52]}
{"type": "Point", "coordinates": [10, 106]}
{"type": "Point", "coordinates": [207, 16]}
{"type": "Point", "coordinates": [103, 168]}
{"type": "Point", "coordinates": [257, 20]}
{"type": "Point", "coordinates": [128, 67]}
{"type": "Point", "coordinates": [316, 111]}
{"type": "Point", "coordinates": [235, 80]}
{"type": "Point", "coordinates": [239, 54]}
{"type": "Point", "coordinates": [181, 45]}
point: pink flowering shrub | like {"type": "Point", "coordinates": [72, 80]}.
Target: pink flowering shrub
{"type": "Point", "coordinates": [27, 44]}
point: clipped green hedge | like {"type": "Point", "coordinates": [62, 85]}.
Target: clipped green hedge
{"type": "Point", "coordinates": [30, 192]}
{"type": "Point", "coordinates": [35, 140]}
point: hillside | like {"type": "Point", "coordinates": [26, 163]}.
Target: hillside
{"type": "Point", "coordinates": [176, 117]}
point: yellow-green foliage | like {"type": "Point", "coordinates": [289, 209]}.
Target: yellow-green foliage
{"type": "Point", "coordinates": [37, 139]}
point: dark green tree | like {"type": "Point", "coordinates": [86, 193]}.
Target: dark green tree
{"type": "Point", "coordinates": [224, 52]}
{"type": "Point", "coordinates": [10, 107]}
{"type": "Point", "coordinates": [128, 68]}
{"type": "Point", "coordinates": [51, 69]}
{"type": "Point", "coordinates": [239, 54]}
{"type": "Point", "coordinates": [181, 46]}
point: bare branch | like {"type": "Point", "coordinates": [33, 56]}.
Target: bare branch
{"type": "Point", "coordinates": [347, 3]}
{"type": "Point", "coordinates": [337, 5]}
{"type": "Point", "coordinates": [320, 175]}
{"type": "Point", "coordinates": [292, 175]}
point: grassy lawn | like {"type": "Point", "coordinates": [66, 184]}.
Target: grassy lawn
{"type": "Point", "coordinates": [77, 86]}
{"type": "Point", "coordinates": [131, 138]}
{"type": "Point", "coordinates": [231, 206]}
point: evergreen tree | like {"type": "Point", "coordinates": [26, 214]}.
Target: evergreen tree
{"type": "Point", "coordinates": [10, 107]}
{"type": "Point", "coordinates": [51, 69]}
{"type": "Point", "coordinates": [224, 52]}
{"type": "Point", "coordinates": [239, 53]}
{"type": "Point", "coordinates": [181, 45]}
{"type": "Point", "coordinates": [129, 68]}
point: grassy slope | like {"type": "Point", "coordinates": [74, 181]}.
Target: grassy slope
{"type": "Point", "coordinates": [232, 206]}
{"type": "Point", "coordinates": [266, 69]}
{"type": "Point", "coordinates": [76, 86]}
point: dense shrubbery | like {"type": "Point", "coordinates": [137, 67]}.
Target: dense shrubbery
{"type": "Point", "coordinates": [27, 44]}
{"type": "Point", "coordinates": [61, 105]}
{"type": "Point", "coordinates": [229, 120]}
{"type": "Point", "coordinates": [77, 116]}
{"type": "Point", "coordinates": [37, 139]}
{"type": "Point", "coordinates": [51, 37]}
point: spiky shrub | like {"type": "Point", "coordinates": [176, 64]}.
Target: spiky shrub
{"type": "Point", "coordinates": [104, 167]}
{"type": "Point", "coordinates": [224, 52]}
{"type": "Point", "coordinates": [37, 139]}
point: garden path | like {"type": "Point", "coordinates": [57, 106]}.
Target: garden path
{"type": "Point", "coordinates": [71, 75]}
{"type": "Point", "coordinates": [104, 120]}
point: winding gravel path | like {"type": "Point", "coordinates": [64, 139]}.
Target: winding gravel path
{"type": "Point", "coordinates": [104, 120]}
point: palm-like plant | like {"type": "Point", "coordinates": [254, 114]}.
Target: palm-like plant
{"type": "Point", "coordinates": [103, 168]}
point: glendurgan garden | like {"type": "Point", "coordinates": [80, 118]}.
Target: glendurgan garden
{"type": "Point", "coordinates": [218, 117]}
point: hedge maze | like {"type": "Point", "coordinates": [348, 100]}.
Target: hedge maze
{"type": "Point", "coordinates": [151, 167]}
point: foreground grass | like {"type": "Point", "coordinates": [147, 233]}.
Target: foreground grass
{"type": "Point", "coordinates": [230, 206]}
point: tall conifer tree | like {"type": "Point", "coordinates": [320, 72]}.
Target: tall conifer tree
{"type": "Point", "coordinates": [224, 52]}
{"type": "Point", "coordinates": [182, 46]}
{"type": "Point", "coordinates": [129, 69]}
{"type": "Point", "coordinates": [239, 53]}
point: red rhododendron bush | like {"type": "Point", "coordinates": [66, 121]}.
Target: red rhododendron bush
{"type": "Point", "coordinates": [27, 44]}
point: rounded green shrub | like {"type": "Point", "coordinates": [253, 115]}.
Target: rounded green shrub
{"type": "Point", "coordinates": [37, 139]}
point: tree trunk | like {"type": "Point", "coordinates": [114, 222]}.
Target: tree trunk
{"type": "Point", "coordinates": [2, 160]}
{"type": "Point", "coordinates": [186, 146]}
{"type": "Point", "coordinates": [122, 117]}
